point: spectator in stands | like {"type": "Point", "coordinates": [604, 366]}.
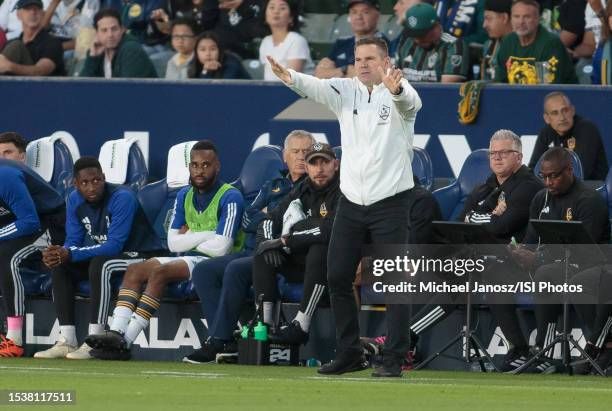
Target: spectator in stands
{"type": "Point", "coordinates": [106, 231]}
{"type": "Point", "coordinates": [564, 198]}
{"type": "Point", "coordinates": [285, 44]}
{"type": "Point", "coordinates": [425, 53]}
{"type": "Point", "coordinates": [593, 19]}
{"type": "Point", "coordinates": [205, 223]}
{"type": "Point", "coordinates": [497, 25]}
{"type": "Point", "coordinates": [564, 128]}
{"type": "Point", "coordinates": [211, 61]}
{"type": "Point", "coordinates": [602, 61]}
{"type": "Point", "coordinates": [399, 9]}
{"type": "Point", "coordinates": [183, 42]}
{"type": "Point", "coordinates": [28, 207]}
{"type": "Point", "coordinates": [35, 52]}
{"type": "Point", "coordinates": [204, 13]}
{"type": "Point", "coordinates": [571, 22]}
{"type": "Point", "coordinates": [463, 19]}
{"type": "Point", "coordinates": [223, 283]}
{"type": "Point", "coordinates": [363, 16]}
{"type": "Point", "coordinates": [115, 53]}
{"type": "Point", "coordinates": [2, 39]}
{"type": "Point", "coordinates": [240, 22]}
{"type": "Point", "coordinates": [531, 47]}
{"type": "Point", "coordinates": [9, 22]}
{"type": "Point", "coordinates": [293, 241]}
{"type": "Point", "coordinates": [65, 18]}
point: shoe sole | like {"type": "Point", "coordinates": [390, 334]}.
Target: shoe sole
{"type": "Point", "coordinates": [187, 360]}
{"type": "Point", "coordinates": [101, 342]}
{"type": "Point", "coordinates": [362, 365]}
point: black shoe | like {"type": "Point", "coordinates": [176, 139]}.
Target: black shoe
{"type": "Point", "coordinates": [582, 366]}
{"type": "Point", "coordinates": [347, 361]}
{"type": "Point", "coordinates": [291, 334]}
{"type": "Point", "coordinates": [391, 367]}
{"type": "Point", "coordinates": [543, 365]}
{"type": "Point", "coordinates": [515, 358]}
{"type": "Point", "coordinates": [209, 350]}
{"type": "Point", "coordinates": [111, 354]}
{"type": "Point", "coordinates": [108, 339]}
{"type": "Point", "coordinates": [604, 360]}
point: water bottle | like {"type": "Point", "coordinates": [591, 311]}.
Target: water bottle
{"type": "Point", "coordinates": [260, 332]}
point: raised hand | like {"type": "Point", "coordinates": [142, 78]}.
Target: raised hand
{"type": "Point", "coordinates": [391, 78]}
{"type": "Point", "coordinates": [279, 71]}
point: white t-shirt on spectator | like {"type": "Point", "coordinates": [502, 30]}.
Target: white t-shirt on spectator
{"type": "Point", "coordinates": [8, 18]}
{"type": "Point", "coordinates": [294, 47]}
{"type": "Point", "coordinates": [592, 22]}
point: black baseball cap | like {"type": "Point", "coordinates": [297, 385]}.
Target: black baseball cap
{"type": "Point", "coordinates": [498, 6]}
{"type": "Point", "coordinates": [372, 3]}
{"type": "Point", "coordinates": [25, 3]}
{"type": "Point", "coordinates": [320, 150]}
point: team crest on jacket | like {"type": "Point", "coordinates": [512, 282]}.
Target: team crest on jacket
{"type": "Point", "coordinates": [384, 112]}
{"type": "Point", "coordinates": [276, 190]}
{"type": "Point", "coordinates": [323, 210]}
{"type": "Point", "coordinates": [568, 215]}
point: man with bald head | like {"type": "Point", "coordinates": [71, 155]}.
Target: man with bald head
{"type": "Point", "coordinates": [564, 128]}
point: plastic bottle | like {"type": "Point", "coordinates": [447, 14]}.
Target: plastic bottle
{"type": "Point", "coordinates": [260, 332]}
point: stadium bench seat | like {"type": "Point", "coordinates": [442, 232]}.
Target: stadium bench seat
{"type": "Point", "coordinates": [254, 68]}
{"type": "Point", "coordinates": [317, 28]}
{"type": "Point", "coordinates": [262, 164]}
{"type": "Point", "coordinates": [53, 158]}
{"type": "Point", "coordinates": [34, 282]}
{"type": "Point", "coordinates": [577, 164]}
{"type": "Point", "coordinates": [123, 163]}
{"type": "Point", "coordinates": [422, 167]}
{"type": "Point", "coordinates": [475, 171]}
{"type": "Point", "coordinates": [606, 191]}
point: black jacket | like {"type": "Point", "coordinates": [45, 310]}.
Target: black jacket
{"type": "Point", "coordinates": [579, 203]}
{"type": "Point", "coordinates": [319, 205]}
{"type": "Point", "coordinates": [518, 191]}
{"type": "Point", "coordinates": [588, 145]}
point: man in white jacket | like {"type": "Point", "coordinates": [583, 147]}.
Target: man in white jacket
{"type": "Point", "coordinates": [376, 110]}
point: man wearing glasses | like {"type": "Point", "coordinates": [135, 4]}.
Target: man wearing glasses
{"type": "Point", "coordinates": [564, 128]}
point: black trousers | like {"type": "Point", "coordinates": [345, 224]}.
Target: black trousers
{"type": "Point", "coordinates": [384, 222]}
{"type": "Point", "coordinates": [595, 309]}
{"type": "Point", "coordinates": [98, 271]}
{"type": "Point", "coordinates": [12, 253]}
{"type": "Point", "coordinates": [310, 268]}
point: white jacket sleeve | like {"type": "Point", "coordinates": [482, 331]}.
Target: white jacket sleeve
{"type": "Point", "coordinates": [216, 246]}
{"type": "Point", "coordinates": [179, 243]}
{"type": "Point", "coordinates": [327, 92]}
{"type": "Point", "coordinates": [408, 101]}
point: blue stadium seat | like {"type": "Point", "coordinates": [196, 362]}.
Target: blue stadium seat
{"type": "Point", "coordinates": [575, 162]}
{"type": "Point", "coordinates": [422, 167]}
{"type": "Point", "coordinates": [123, 163]}
{"type": "Point", "coordinates": [475, 171]}
{"type": "Point", "coordinates": [33, 281]}
{"type": "Point", "coordinates": [338, 151]}
{"type": "Point", "coordinates": [606, 191]}
{"type": "Point", "coordinates": [290, 292]}
{"type": "Point", "coordinates": [53, 158]}
{"type": "Point", "coordinates": [263, 164]}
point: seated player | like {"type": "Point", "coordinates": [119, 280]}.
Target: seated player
{"type": "Point", "coordinates": [206, 223]}
{"type": "Point", "coordinates": [106, 231]}
{"type": "Point", "coordinates": [28, 207]}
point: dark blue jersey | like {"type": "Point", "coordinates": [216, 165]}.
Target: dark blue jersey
{"type": "Point", "coordinates": [343, 50]}
{"type": "Point", "coordinates": [113, 225]}
{"type": "Point", "coordinates": [24, 198]}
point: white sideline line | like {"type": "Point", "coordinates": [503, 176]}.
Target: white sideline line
{"type": "Point", "coordinates": [8, 367]}
{"type": "Point", "coordinates": [187, 374]}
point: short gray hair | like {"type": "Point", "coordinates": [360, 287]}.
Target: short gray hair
{"type": "Point", "coordinates": [507, 135]}
{"type": "Point", "coordinates": [298, 134]}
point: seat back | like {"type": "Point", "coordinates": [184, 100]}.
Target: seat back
{"type": "Point", "coordinates": [606, 191]}
{"type": "Point", "coordinates": [123, 163]}
{"type": "Point", "coordinates": [422, 167]}
{"type": "Point", "coordinates": [475, 171]}
{"type": "Point", "coordinates": [261, 165]}
{"type": "Point", "coordinates": [576, 163]}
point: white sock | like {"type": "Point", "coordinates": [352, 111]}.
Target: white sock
{"type": "Point", "coordinates": [304, 320]}
{"type": "Point", "coordinates": [121, 318]}
{"type": "Point", "coordinates": [268, 310]}
{"type": "Point", "coordinates": [68, 332]}
{"type": "Point", "coordinates": [135, 326]}
{"type": "Point", "coordinates": [15, 335]}
{"type": "Point", "coordinates": [95, 329]}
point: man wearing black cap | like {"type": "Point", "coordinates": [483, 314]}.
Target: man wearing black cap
{"type": "Point", "coordinates": [363, 16]}
{"type": "Point", "coordinates": [497, 25]}
{"type": "Point", "coordinates": [35, 52]}
{"type": "Point", "coordinates": [425, 53]}
{"type": "Point", "coordinates": [294, 239]}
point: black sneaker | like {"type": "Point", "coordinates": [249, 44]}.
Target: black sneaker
{"type": "Point", "coordinates": [391, 367]}
{"type": "Point", "coordinates": [515, 358]}
{"type": "Point", "coordinates": [542, 365]}
{"type": "Point", "coordinates": [111, 354]}
{"type": "Point", "coordinates": [207, 353]}
{"type": "Point", "coordinates": [604, 360]}
{"type": "Point", "coordinates": [291, 334]}
{"type": "Point", "coordinates": [108, 339]}
{"type": "Point", "coordinates": [582, 366]}
{"type": "Point", "coordinates": [346, 361]}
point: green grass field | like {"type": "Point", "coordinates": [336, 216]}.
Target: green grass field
{"type": "Point", "coordinates": [141, 385]}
